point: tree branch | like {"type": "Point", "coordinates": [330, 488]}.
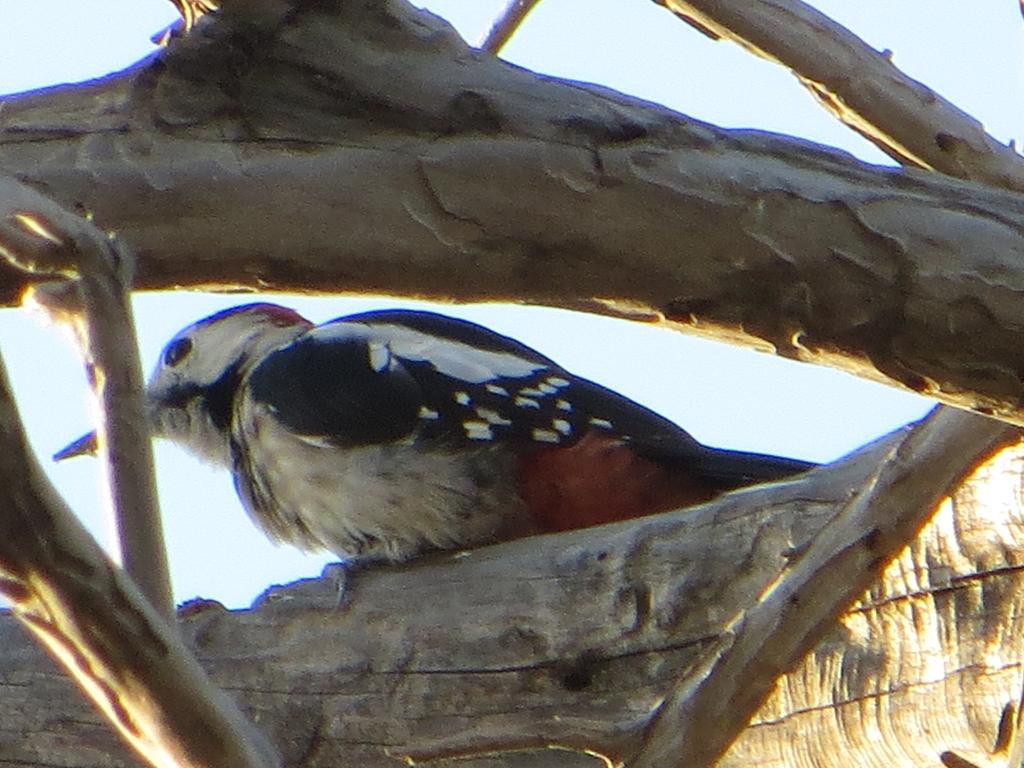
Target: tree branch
{"type": "Point", "coordinates": [862, 87]}
{"type": "Point", "coordinates": [193, 10]}
{"type": "Point", "coordinates": [895, 275]}
{"type": "Point", "coordinates": [713, 704]}
{"type": "Point", "coordinates": [43, 239]}
{"type": "Point", "coordinates": [95, 622]}
{"type": "Point", "coordinates": [573, 640]}
{"type": "Point", "coordinates": [511, 19]}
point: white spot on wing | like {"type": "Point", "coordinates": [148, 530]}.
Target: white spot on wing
{"type": "Point", "coordinates": [558, 381]}
{"type": "Point", "coordinates": [563, 405]}
{"type": "Point", "coordinates": [494, 389]}
{"type": "Point", "coordinates": [547, 389]}
{"type": "Point", "coordinates": [462, 398]}
{"type": "Point", "coordinates": [317, 441]}
{"type": "Point", "coordinates": [531, 392]}
{"type": "Point", "coordinates": [478, 430]}
{"type": "Point", "coordinates": [492, 417]}
{"type": "Point", "coordinates": [428, 413]}
{"type": "Point", "coordinates": [380, 355]}
{"type": "Point", "coordinates": [525, 402]}
{"type": "Point", "coordinates": [561, 425]}
{"type": "Point", "coordinates": [545, 436]}
{"type": "Point", "coordinates": [602, 423]}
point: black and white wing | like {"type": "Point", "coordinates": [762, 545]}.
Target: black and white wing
{"type": "Point", "coordinates": [401, 374]}
{"type": "Point", "coordinates": [391, 374]}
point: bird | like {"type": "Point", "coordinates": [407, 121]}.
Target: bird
{"type": "Point", "coordinates": [385, 435]}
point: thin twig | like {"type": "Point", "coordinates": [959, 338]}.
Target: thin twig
{"type": "Point", "coordinates": [193, 10]}
{"type": "Point", "coordinates": [505, 26]}
{"type": "Point", "coordinates": [861, 86]}
{"type": "Point", "coordinates": [39, 236]}
{"type": "Point", "coordinates": [711, 705]}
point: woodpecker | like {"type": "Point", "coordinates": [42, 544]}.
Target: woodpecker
{"type": "Point", "coordinates": [383, 435]}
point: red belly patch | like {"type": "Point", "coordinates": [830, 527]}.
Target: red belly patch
{"type": "Point", "coordinates": [601, 480]}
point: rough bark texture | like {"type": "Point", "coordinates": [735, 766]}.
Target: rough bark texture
{"type": "Point", "coordinates": [399, 142]}
{"type": "Point", "coordinates": [572, 640]}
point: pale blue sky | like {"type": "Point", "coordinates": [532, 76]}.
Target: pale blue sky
{"type": "Point", "coordinates": [723, 395]}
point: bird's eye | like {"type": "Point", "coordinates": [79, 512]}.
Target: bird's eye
{"type": "Point", "coordinates": [177, 351]}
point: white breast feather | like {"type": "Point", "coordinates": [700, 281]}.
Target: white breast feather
{"type": "Point", "coordinates": [388, 501]}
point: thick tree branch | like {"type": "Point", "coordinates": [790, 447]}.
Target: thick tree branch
{"type": "Point", "coordinates": [572, 640]}
{"type": "Point", "coordinates": [40, 237]}
{"type": "Point", "coordinates": [404, 155]}
{"type": "Point", "coordinates": [712, 705]}
{"type": "Point", "coordinates": [862, 87]}
{"type": "Point", "coordinates": [96, 623]}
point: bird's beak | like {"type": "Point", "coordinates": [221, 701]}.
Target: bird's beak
{"type": "Point", "coordinates": [85, 445]}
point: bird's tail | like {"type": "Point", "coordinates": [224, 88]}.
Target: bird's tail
{"type": "Point", "coordinates": [735, 469]}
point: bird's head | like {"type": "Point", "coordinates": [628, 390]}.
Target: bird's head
{"type": "Point", "coordinates": [191, 392]}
